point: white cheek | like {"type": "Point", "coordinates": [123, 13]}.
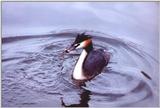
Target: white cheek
{"type": "Point", "coordinates": [82, 45]}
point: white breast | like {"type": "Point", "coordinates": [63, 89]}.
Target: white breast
{"type": "Point", "coordinates": [78, 70]}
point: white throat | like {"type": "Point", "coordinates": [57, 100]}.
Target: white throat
{"type": "Point", "coordinates": [78, 70]}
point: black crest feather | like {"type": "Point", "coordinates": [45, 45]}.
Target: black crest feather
{"type": "Point", "coordinates": [81, 37]}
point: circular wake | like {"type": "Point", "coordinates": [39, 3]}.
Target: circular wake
{"type": "Point", "coordinates": [33, 67]}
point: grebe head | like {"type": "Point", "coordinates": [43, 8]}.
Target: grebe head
{"type": "Point", "coordinates": [81, 41]}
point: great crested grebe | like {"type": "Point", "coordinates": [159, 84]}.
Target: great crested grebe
{"type": "Point", "coordinates": [91, 61]}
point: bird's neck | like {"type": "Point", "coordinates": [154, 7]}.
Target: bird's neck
{"type": "Point", "coordinates": [78, 70]}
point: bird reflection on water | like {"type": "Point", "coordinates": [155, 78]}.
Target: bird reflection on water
{"type": "Point", "coordinates": [84, 98]}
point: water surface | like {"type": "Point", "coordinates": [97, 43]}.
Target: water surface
{"type": "Point", "coordinates": [34, 35]}
{"type": "Point", "coordinates": [35, 74]}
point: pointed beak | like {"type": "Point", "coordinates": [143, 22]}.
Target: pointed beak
{"type": "Point", "coordinates": [71, 48]}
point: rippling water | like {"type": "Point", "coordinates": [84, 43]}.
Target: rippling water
{"type": "Point", "coordinates": [35, 74]}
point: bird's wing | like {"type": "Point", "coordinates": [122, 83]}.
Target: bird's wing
{"type": "Point", "coordinates": [94, 63]}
